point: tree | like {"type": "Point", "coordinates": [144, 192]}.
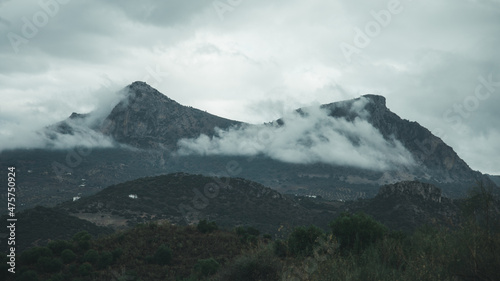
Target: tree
{"type": "Point", "coordinates": [302, 240]}
{"type": "Point", "coordinates": [85, 269]}
{"type": "Point", "coordinates": [68, 256]}
{"type": "Point", "coordinates": [91, 256]}
{"type": "Point", "coordinates": [32, 255]}
{"type": "Point", "coordinates": [82, 238]}
{"type": "Point", "coordinates": [357, 231]}
{"type": "Point", "coordinates": [163, 255]}
{"type": "Point", "coordinates": [59, 245]}
{"type": "Point", "coordinates": [49, 265]}
{"type": "Point", "coordinates": [105, 259]}
{"type": "Point", "coordinates": [206, 227]}
{"type": "Point", "coordinates": [479, 204]}
{"type": "Point", "coordinates": [206, 267]}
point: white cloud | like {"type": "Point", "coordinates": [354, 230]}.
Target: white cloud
{"type": "Point", "coordinates": [309, 137]}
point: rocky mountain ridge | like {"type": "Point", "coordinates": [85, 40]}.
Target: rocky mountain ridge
{"type": "Point", "coordinates": [145, 118]}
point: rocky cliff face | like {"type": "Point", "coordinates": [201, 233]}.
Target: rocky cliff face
{"type": "Point", "coordinates": [148, 119]}
{"type": "Point", "coordinates": [437, 162]}
{"type": "Point", "coordinates": [408, 205]}
{"type": "Point", "coordinates": [411, 189]}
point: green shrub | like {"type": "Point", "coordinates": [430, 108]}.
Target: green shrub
{"type": "Point", "coordinates": [49, 265]}
{"type": "Point", "coordinates": [253, 231]}
{"type": "Point", "coordinates": [262, 266]}
{"type": "Point", "coordinates": [29, 275]}
{"type": "Point", "coordinates": [357, 231]}
{"type": "Point", "coordinates": [105, 259]}
{"type": "Point", "coordinates": [280, 248]}
{"type": "Point", "coordinates": [247, 235]}
{"type": "Point", "coordinates": [91, 256]}
{"type": "Point", "coordinates": [32, 255]}
{"type": "Point", "coordinates": [117, 253]}
{"type": "Point", "coordinates": [206, 267]}
{"type": "Point", "coordinates": [85, 269]}
{"type": "Point", "coordinates": [82, 239]}
{"type": "Point", "coordinates": [302, 240]}
{"type": "Point", "coordinates": [68, 256]}
{"type": "Point", "coordinates": [59, 245]}
{"type": "Point", "coordinates": [206, 227]}
{"type": "Point", "coordinates": [163, 255]}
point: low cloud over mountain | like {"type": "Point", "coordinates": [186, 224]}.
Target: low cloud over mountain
{"type": "Point", "coordinates": [309, 135]}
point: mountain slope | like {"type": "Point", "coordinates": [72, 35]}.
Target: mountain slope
{"type": "Point", "coordinates": [145, 118]}
{"type": "Point", "coordinates": [438, 160]}
{"type": "Point", "coordinates": [185, 199]}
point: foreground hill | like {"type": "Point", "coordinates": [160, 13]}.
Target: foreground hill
{"type": "Point", "coordinates": [38, 226]}
{"type": "Point", "coordinates": [354, 247]}
{"type": "Point", "coordinates": [185, 199]}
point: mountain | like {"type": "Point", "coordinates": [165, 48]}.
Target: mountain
{"type": "Point", "coordinates": [146, 118]}
{"type": "Point", "coordinates": [340, 151]}
{"type": "Point", "coordinates": [495, 179]}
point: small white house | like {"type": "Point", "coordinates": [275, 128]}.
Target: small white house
{"type": "Point", "coordinates": [133, 196]}
{"type": "Point", "coordinates": [76, 198]}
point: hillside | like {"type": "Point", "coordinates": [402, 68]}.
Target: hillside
{"type": "Point", "coordinates": [38, 226]}
{"type": "Point", "coordinates": [185, 199]}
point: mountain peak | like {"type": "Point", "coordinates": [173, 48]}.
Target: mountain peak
{"type": "Point", "coordinates": [140, 90]}
{"type": "Point", "coordinates": [377, 99]}
{"type": "Point", "coordinates": [149, 119]}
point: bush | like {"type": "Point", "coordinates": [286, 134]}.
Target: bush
{"type": "Point", "coordinates": [247, 235]}
{"type": "Point", "coordinates": [261, 266]}
{"type": "Point", "coordinates": [82, 239]}
{"type": "Point", "coordinates": [29, 275]}
{"type": "Point", "coordinates": [68, 256]}
{"type": "Point", "coordinates": [91, 256]}
{"type": "Point", "coordinates": [105, 259]}
{"type": "Point", "coordinates": [358, 231]}
{"type": "Point", "coordinates": [302, 240]}
{"type": "Point", "coordinates": [85, 269]}
{"type": "Point", "coordinates": [59, 245]}
{"type": "Point", "coordinates": [32, 255]}
{"type": "Point", "coordinates": [280, 249]}
{"type": "Point", "coordinates": [206, 267]}
{"type": "Point", "coordinates": [117, 253]}
{"type": "Point", "coordinates": [163, 255]}
{"type": "Point", "coordinates": [206, 227]}
{"type": "Point", "coordinates": [49, 265]}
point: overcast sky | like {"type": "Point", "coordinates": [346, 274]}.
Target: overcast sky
{"type": "Point", "coordinates": [436, 62]}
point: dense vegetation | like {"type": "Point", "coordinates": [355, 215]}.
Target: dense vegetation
{"type": "Point", "coordinates": [355, 248]}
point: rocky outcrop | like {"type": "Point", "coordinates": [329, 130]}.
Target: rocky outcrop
{"type": "Point", "coordinates": [409, 205]}
{"type": "Point", "coordinates": [411, 189]}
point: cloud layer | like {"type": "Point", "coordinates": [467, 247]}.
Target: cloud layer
{"type": "Point", "coordinates": [308, 136]}
{"type": "Point", "coordinates": [277, 55]}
